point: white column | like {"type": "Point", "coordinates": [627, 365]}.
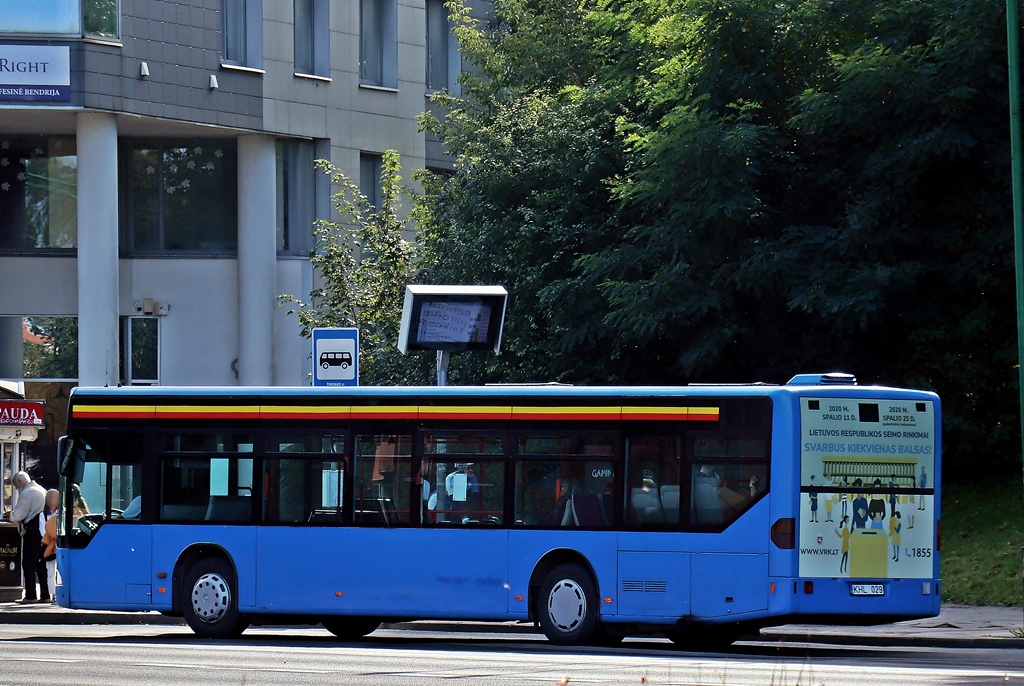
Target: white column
{"type": "Point", "coordinates": [257, 259]}
{"type": "Point", "coordinates": [97, 250]}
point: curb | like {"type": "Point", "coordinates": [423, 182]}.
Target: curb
{"type": "Point", "coordinates": [768, 635]}
{"type": "Point", "coordinates": [84, 617]}
{"type": "Point", "coordinates": [892, 641]}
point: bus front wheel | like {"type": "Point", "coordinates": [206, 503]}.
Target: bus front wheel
{"type": "Point", "coordinates": [350, 628]}
{"type": "Point", "coordinates": [211, 605]}
{"type": "Point", "coordinates": [567, 605]}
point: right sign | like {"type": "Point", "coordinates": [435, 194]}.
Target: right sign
{"type": "Point", "coordinates": [866, 488]}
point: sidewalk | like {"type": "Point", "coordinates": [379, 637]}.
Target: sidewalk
{"type": "Point", "coordinates": [957, 626]}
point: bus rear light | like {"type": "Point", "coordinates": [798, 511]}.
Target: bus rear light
{"type": "Point", "coordinates": [784, 533]}
{"type": "Point", "coordinates": [938, 534]}
{"type": "Point", "coordinates": [926, 588]}
{"type": "Point", "coordinates": [808, 587]}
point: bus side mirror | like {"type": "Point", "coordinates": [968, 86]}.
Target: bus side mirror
{"type": "Point", "coordinates": [64, 445]}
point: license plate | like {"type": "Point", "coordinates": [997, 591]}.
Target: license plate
{"type": "Point", "coordinates": [867, 589]}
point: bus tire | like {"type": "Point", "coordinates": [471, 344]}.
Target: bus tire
{"type": "Point", "coordinates": [210, 605]}
{"type": "Point", "coordinates": [350, 628]}
{"type": "Point", "coordinates": [566, 605]}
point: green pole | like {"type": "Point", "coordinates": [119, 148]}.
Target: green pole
{"type": "Point", "coordinates": [1013, 74]}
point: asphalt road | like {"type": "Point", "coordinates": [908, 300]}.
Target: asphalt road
{"type": "Point", "coordinates": [136, 656]}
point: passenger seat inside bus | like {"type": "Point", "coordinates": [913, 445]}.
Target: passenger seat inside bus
{"type": "Point", "coordinates": [229, 508]}
{"type": "Point", "coordinates": [647, 506]}
{"type": "Point", "coordinates": [584, 510]}
{"type": "Point", "coordinates": [670, 503]}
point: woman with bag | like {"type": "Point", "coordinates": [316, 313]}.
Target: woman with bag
{"type": "Point", "coordinates": [48, 529]}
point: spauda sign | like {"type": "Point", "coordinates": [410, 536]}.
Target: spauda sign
{"type": "Point", "coordinates": [21, 413]}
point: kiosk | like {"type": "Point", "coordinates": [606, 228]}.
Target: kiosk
{"type": "Point", "coordinates": [20, 422]}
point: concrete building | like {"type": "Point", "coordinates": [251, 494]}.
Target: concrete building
{"type": "Point", "coordinates": [157, 190]}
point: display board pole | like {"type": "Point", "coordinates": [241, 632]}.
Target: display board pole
{"type": "Point", "coordinates": [442, 367]}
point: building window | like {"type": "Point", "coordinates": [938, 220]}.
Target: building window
{"type": "Point", "coordinates": [39, 347]}
{"type": "Point", "coordinates": [296, 196]}
{"type": "Point", "coordinates": [370, 167]}
{"type": "Point", "coordinates": [38, 194]}
{"type": "Point", "coordinates": [179, 196]}
{"type": "Point", "coordinates": [140, 351]}
{"type": "Point", "coordinates": [100, 18]}
{"type": "Point", "coordinates": [312, 37]}
{"type": "Point", "coordinates": [233, 18]}
{"type": "Point", "coordinates": [444, 61]}
{"type": "Point", "coordinates": [242, 29]}
{"type": "Point", "coordinates": [378, 43]}
{"type": "Point", "coordinates": [40, 16]}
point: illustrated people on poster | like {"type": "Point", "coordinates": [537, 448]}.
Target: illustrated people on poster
{"type": "Point", "coordinates": [876, 508]}
{"type": "Point", "coordinates": [907, 508]}
{"type": "Point", "coordinates": [860, 508]}
{"type": "Point", "coordinates": [843, 496]}
{"type": "Point", "coordinates": [922, 482]}
{"type": "Point", "coordinates": [894, 535]}
{"type": "Point", "coordinates": [893, 498]}
{"type": "Point", "coordinates": [844, 535]}
{"type": "Point", "coordinates": [814, 501]}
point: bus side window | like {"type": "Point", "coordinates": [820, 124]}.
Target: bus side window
{"type": "Point", "coordinates": [721, 492]}
{"type": "Point", "coordinates": [383, 479]}
{"type": "Point", "coordinates": [463, 492]}
{"type": "Point", "coordinates": [566, 492]}
{"type": "Point", "coordinates": [652, 482]}
{"type": "Point", "coordinates": [210, 489]}
{"type": "Point", "coordinates": [125, 492]}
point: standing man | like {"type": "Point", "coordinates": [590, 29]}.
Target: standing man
{"type": "Point", "coordinates": [31, 499]}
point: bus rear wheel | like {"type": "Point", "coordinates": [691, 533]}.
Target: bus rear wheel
{"type": "Point", "coordinates": [211, 605]}
{"type": "Point", "coordinates": [567, 605]}
{"type": "Point", "coordinates": [350, 628]}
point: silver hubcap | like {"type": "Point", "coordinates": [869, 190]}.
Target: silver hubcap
{"type": "Point", "coordinates": [211, 597]}
{"type": "Point", "coordinates": [567, 605]}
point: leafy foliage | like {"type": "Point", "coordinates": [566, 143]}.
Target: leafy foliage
{"type": "Point", "coordinates": [737, 190]}
{"type": "Point", "coordinates": [363, 290]}
{"type": "Point", "coordinates": [51, 352]}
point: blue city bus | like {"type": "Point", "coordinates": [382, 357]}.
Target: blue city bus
{"type": "Point", "coordinates": [697, 512]}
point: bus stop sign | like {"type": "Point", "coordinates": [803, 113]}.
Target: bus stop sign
{"type": "Point", "coordinates": [335, 357]}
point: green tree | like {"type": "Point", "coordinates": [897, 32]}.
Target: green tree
{"type": "Point", "coordinates": [737, 190]}
{"type": "Point", "coordinates": [362, 264]}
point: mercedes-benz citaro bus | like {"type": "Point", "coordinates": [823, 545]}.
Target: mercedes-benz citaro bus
{"type": "Point", "coordinates": [698, 512]}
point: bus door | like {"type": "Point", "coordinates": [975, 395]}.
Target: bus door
{"type": "Point", "coordinates": [306, 487]}
{"type": "Point", "coordinates": [103, 527]}
{"type": "Point", "coordinates": [460, 546]}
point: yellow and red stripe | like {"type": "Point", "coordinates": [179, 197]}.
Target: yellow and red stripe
{"type": "Point", "coordinates": [441, 412]}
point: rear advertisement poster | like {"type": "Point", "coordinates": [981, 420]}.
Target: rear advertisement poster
{"type": "Point", "coordinates": [867, 473]}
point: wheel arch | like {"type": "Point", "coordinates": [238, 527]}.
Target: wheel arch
{"type": "Point", "coordinates": [549, 561]}
{"type": "Point", "coordinates": [188, 557]}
